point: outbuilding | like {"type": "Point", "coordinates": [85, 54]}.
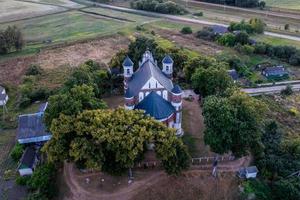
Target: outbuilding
{"type": "Point", "coordinates": [3, 96]}
{"type": "Point", "coordinates": [275, 72]}
{"type": "Point", "coordinates": [248, 172]}
{"type": "Point", "coordinates": [28, 162]}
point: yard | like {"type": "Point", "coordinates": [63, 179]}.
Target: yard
{"type": "Point", "coordinates": [290, 4]}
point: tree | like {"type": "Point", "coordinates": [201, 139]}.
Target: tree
{"type": "Point", "coordinates": [72, 102]}
{"type": "Point", "coordinates": [232, 124]}
{"type": "Point", "coordinates": [186, 30]}
{"type": "Point", "coordinates": [262, 5]}
{"type": "Point", "coordinates": [211, 81]}
{"type": "Point", "coordinates": [287, 189]}
{"type": "Point", "coordinates": [242, 38]}
{"type": "Point", "coordinates": [11, 39]}
{"type": "Point", "coordinates": [258, 25]}
{"type": "Point", "coordinates": [113, 141]}
{"type": "Point", "coordinates": [227, 39]}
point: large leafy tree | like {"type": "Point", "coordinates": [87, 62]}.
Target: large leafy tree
{"type": "Point", "coordinates": [233, 123]}
{"type": "Point", "coordinates": [114, 140]}
{"type": "Point", "coordinates": [211, 81]}
{"type": "Point", "coordinates": [79, 98]}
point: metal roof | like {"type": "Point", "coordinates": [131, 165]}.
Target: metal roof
{"type": "Point", "coordinates": [3, 97]}
{"type": "Point", "coordinates": [43, 107]}
{"type": "Point", "coordinates": [28, 158]}
{"type": "Point", "coordinates": [251, 169]}
{"type": "Point", "coordinates": [167, 60]}
{"type": "Point", "coordinates": [176, 89]}
{"type": "Point", "coordinates": [233, 74]}
{"type": "Point", "coordinates": [275, 71]}
{"type": "Point", "coordinates": [147, 70]}
{"type": "Point", "coordinates": [127, 62]}
{"type": "Point", "coordinates": [1, 89]}
{"type": "Point", "coordinates": [156, 106]}
{"type": "Point", "coordinates": [31, 127]}
{"type": "Point", "coordinates": [219, 29]}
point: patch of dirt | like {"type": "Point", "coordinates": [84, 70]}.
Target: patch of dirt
{"type": "Point", "coordinates": [100, 50]}
{"type": "Point", "coordinates": [191, 42]}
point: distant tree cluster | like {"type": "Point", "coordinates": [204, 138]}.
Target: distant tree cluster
{"type": "Point", "coordinates": [114, 141]}
{"type": "Point", "coordinates": [160, 6]}
{"type": "Point", "coordinates": [11, 39]}
{"type": "Point", "coordinates": [239, 3]}
{"type": "Point", "coordinates": [255, 25]}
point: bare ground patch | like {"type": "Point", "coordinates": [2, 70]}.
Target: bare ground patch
{"type": "Point", "coordinates": [100, 50]}
{"type": "Point", "coordinates": [191, 42]}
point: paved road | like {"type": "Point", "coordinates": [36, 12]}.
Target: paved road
{"type": "Point", "coordinates": [268, 90]}
{"type": "Point", "coordinates": [180, 18]}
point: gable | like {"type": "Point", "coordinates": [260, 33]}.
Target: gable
{"type": "Point", "coordinates": [152, 83]}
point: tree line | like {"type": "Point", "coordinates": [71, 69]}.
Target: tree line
{"type": "Point", "coordinates": [239, 3]}
{"type": "Point", "coordinates": [160, 6]}
{"type": "Point", "coordinates": [11, 39]}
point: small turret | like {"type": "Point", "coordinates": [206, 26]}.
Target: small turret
{"type": "Point", "coordinates": [147, 56]}
{"type": "Point", "coordinates": [129, 100]}
{"type": "Point", "coordinates": [128, 70]}
{"type": "Point", "coordinates": [167, 63]}
{"type": "Point", "coordinates": [176, 101]}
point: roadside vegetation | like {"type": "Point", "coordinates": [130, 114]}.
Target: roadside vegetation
{"type": "Point", "coordinates": [160, 6]}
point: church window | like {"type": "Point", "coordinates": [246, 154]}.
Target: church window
{"type": "Point", "coordinates": [128, 71]}
{"type": "Point", "coordinates": [167, 68]}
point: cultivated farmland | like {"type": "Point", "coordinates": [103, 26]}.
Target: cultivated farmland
{"type": "Point", "coordinates": [11, 10]}
{"type": "Point", "coordinates": [290, 4]}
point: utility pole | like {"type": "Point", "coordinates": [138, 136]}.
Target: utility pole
{"type": "Point", "coordinates": [215, 165]}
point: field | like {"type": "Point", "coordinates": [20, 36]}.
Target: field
{"type": "Point", "coordinates": [289, 4]}
{"type": "Point", "coordinates": [11, 10]}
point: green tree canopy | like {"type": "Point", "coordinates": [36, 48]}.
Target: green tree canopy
{"type": "Point", "coordinates": [233, 123]}
{"type": "Point", "coordinates": [72, 102]}
{"type": "Point", "coordinates": [211, 81]}
{"type": "Point", "coordinates": [114, 140]}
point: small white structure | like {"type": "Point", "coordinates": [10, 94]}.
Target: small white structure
{"type": "Point", "coordinates": [248, 172]}
{"type": "Point", "coordinates": [3, 96]}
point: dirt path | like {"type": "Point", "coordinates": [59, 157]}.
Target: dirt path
{"type": "Point", "coordinates": [79, 190]}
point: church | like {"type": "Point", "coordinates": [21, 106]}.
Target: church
{"type": "Point", "coordinates": [151, 89]}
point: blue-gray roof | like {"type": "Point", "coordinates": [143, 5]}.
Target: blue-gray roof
{"type": "Point", "coordinates": [28, 158]}
{"type": "Point", "coordinates": [1, 89]}
{"type": "Point", "coordinates": [43, 107]}
{"type": "Point", "coordinates": [31, 127]}
{"type": "Point", "coordinates": [218, 29]}
{"type": "Point", "coordinates": [156, 106]}
{"type": "Point", "coordinates": [275, 71]}
{"type": "Point", "coordinates": [127, 94]}
{"type": "Point", "coordinates": [167, 60]}
{"type": "Point", "coordinates": [127, 62]}
{"type": "Point", "coordinates": [176, 89]}
{"type": "Point", "coordinates": [2, 97]}
{"type": "Point", "coordinates": [147, 70]}
{"type": "Point", "coordinates": [233, 74]}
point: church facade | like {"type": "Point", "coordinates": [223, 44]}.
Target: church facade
{"type": "Point", "coordinates": [151, 89]}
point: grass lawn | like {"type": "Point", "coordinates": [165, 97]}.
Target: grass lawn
{"type": "Point", "coordinates": [290, 4]}
{"type": "Point", "coordinates": [277, 41]}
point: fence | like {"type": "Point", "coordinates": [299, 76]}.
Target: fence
{"type": "Point", "coordinates": [194, 161]}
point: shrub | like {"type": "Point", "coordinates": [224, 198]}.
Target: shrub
{"type": "Point", "coordinates": [260, 48]}
{"type": "Point", "coordinates": [287, 91]}
{"type": "Point", "coordinates": [199, 14]}
{"type": "Point", "coordinates": [17, 152]}
{"type": "Point", "coordinates": [242, 38]}
{"type": "Point", "coordinates": [293, 111]}
{"type": "Point", "coordinates": [206, 33]}
{"type": "Point", "coordinates": [247, 49]}
{"type": "Point", "coordinates": [139, 28]}
{"type": "Point", "coordinates": [227, 39]}
{"type": "Point", "coordinates": [34, 70]}
{"type": "Point", "coordinates": [286, 27]}
{"type": "Point", "coordinates": [22, 180]}
{"type": "Point", "coordinates": [186, 30]}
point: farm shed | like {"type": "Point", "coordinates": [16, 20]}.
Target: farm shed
{"type": "Point", "coordinates": [28, 162]}
{"type": "Point", "coordinates": [275, 72]}
{"type": "Point", "coordinates": [219, 30]}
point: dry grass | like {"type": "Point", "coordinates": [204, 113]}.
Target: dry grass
{"type": "Point", "coordinates": [15, 10]}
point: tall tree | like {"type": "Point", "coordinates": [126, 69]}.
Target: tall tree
{"type": "Point", "coordinates": [233, 123]}
{"type": "Point", "coordinates": [114, 140]}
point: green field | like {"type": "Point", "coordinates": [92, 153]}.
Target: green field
{"type": "Point", "coordinates": [277, 41]}
{"type": "Point", "coordinates": [290, 4]}
{"type": "Point", "coordinates": [73, 26]}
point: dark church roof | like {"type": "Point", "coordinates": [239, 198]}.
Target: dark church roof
{"type": "Point", "coordinates": [156, 106]}
{"type": "Point", "coordinates": [143, 74]}
{"type": "Point", "coordinates": [167, 60]}
{"type": "Point", "coordinates": [32, 129]}
{"type": "Point", "coordinates": [127, 62]}
{"type": "Point", "coordinates": [28, 158]}
{"type": "Point", "coordinates": [176, 89]}
{"type": "Point", "coordinates": [43, 107]}
{"type": "Point", "coordinates": [1, 89]}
